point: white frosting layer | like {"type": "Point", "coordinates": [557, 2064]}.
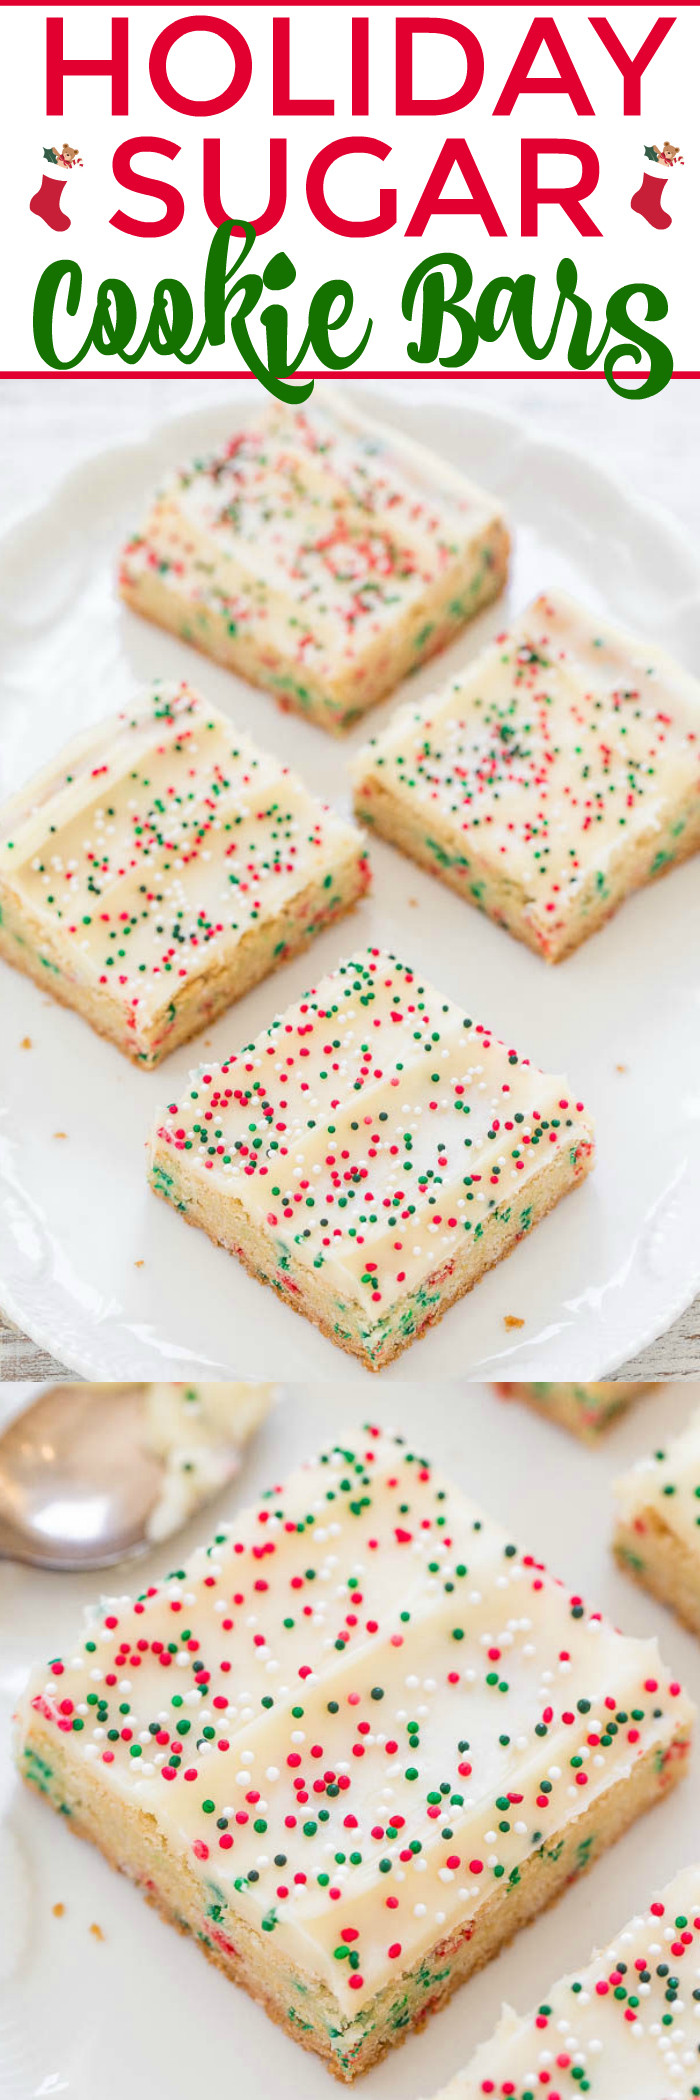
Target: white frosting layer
{"type": "Point", "coordinates": [358, 1712]}
{"type": "Point", "coordinates": [371, 1127]}
{"type": "Point", "coordinates": [626, 2027]}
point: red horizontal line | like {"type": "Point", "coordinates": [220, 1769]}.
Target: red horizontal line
{"type": "Point", "coordinates": [411, 374]}
{"type": "Point", "coordinates": [354, 4]}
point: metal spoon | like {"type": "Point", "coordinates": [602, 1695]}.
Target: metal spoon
{"type": "Point", "coordinates": [78, 1483]}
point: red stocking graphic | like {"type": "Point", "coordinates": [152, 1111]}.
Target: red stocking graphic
{"type": "Point", "coordinates": [47, 204]}
{"type": "Point", "coordinates": [647, 201]}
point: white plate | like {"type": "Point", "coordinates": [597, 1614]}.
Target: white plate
{"type": "Point", "coordinates": [141, 2013]}
{"type": "Point", "coordinates": [91, 1264]}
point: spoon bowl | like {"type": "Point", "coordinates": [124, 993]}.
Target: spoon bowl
{"type": "Point", "coordinates": [78, 1482]}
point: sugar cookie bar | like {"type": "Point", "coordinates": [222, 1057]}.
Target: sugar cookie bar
{"type": "Point", "coordinates": [163, 865]}
{"type": "Point", "coordinates": [371, 1154]}
{"type": "Point", "coordinates": [319, 554]}
{"type": "Point", "coordinates": [193, 1413]}
{"type": "Point", "coordinates": [657, 1534]}
{"type": "Point", "coordinates": [354, 1745]}
{"type": "Point", "coordinates": [557, 773]}
{"type": "Point", "coordinates": [199, 1430]}
{"type": "Point", "coordinates": [584, 1409]}
{"type": "Point", "coordinates": [626, 2027]}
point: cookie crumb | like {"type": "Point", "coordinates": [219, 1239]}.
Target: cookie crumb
{"type": "Point", "coordinates": [138, 1264]}
{"type": "Point", "coordinates": [621, 1068]}
{"type": "Point", "coordinates": [97, 1932]}
{"type": "Point", "coordinates": [414, 902]}
{"type": "Point", "coordinates": [60, 1133]}
{"type": "Point", "coordinates": [26, 1043]}
{"type": "Point", "coordinates": [58, 1910]}
{"type": "Point", "coordinates": [511, 1320]}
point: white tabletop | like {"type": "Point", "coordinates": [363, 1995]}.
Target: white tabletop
{"type": "Point", "coordinates": [48, 425]}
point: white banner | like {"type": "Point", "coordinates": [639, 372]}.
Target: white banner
{"type": "Point", "coordinates": [550, 153]}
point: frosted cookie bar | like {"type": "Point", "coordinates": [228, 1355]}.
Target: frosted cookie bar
{"type": "Point", "coordinates": [657, 1534]}
{"type": "Point", "coordinates": [319, 554]}
{"type": "Point", "coordinates": [557, 773]}
{"type": "Point", "coordinates": [371, 1154]}
{"type": "Point", "coordinates": [626, 2027]}
{"type": "Point", "coordinates": [584, 1409]}
{"type": "Point", "coordinates": [181, 1413]}
{"type": "Point", "coordinates": [161, 866]}
{"type": "Point", "coordinates": [354, 1745]}
{"type": "Point", "coordinates": [200, 1431]}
